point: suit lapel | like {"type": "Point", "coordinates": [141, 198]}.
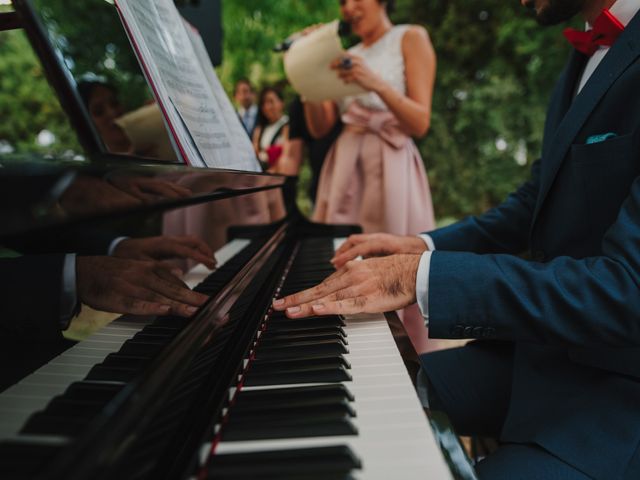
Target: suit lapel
{"type": "Point", "coordinates": [562, 97]}
{"type": "Point", "coordinates": [617, 60]}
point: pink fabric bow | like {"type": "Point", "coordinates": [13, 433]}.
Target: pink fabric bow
{"type": "Point", "coordinates": [382, 123]}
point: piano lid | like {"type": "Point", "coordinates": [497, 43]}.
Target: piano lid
{"type": "Point", "coordinates": [38, 193]}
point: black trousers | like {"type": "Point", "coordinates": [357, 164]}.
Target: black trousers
{"type": "Point", "coordinates": [472, 385]}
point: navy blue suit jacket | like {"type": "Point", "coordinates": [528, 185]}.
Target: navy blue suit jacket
{"type": "Point", "coordinates": [573, 308]}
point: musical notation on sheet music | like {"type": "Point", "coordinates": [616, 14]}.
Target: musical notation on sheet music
{"type": "Point", "coordinates": [180, 76]}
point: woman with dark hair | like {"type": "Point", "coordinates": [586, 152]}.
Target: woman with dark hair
{"type": "Point", "coordinates": [374, 175]}
{"type": "Point", "coordinates": [104, 108]}
{"type": "Point", "coordinates": [272, 127]}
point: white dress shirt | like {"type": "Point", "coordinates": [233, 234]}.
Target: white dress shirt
{"type": "Point", "coordinates": [248, 117]}
{"type": "Point", "coordinates": [69, 305]}
{"type": "Point", "coordinates": [624, 11]}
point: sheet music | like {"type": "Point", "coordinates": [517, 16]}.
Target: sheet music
{"type": "Point", "coordinates": [237, 133]}
{"type": "Point", "coordinates": [178, 79]}
{"type": "Point", "coordinates": [306, 64]}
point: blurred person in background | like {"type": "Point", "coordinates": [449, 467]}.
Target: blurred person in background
{"type": "Point", "coordinates": [300, 140]}
{"type": "Point", "coordinates": [244, 97]}
{"type": "Point", "coordinates": [105, 108]}
{"type": "Point", "coordinates": [374, 175]}
{"type": "Point", "coordinates": [272, 128]}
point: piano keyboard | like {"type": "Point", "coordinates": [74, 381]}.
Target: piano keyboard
{"type": "Point", "coordinates": [355, 413]}
{"type": "Point", "coordinates": [370, 405]}
{"type": "Point", "coordinates": [393, 435]}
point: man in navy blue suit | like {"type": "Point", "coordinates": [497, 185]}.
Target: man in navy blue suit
{"type": "Point", "coordinates": [556, 372]}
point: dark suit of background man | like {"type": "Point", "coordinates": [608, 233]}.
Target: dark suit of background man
{"type": "Point", "coordinates": [557, 377]}
{"type": "Point", "coordinates": [247, 110]}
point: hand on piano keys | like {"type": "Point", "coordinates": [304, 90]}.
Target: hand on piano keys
{"type": "Point", "coordinates": [134, 287]}
{"type": "Point", "coordinates": [374, 285]}
{"type": "Point", "coordinates": [135, 280]}
{"type": "Point", "coordinates": [365, 245]}
{"type": "Point", "coordinates": [317, 398]}
{"type": "Point", "coordinates": [166, 247]}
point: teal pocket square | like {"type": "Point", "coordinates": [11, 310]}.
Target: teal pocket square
{"type": "Point", "coordinates": [600, 138]}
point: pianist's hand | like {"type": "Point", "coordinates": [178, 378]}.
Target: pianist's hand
{"type": "Point", "coordinates": [376, 245]}
{"type": "Point", "coordinates": [166, 247]}
{"type": "Point", "coordinates": [371, 286]}
{"type": "Point", "coordinates": [133, 286]}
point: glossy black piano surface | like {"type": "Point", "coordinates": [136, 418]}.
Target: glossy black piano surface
{"type": "Point", "coordinates": [165, 390]}
{"type": "Point", "coordinates": [178, 398]}
{"type": "Point", "coordinates": [146, 409]}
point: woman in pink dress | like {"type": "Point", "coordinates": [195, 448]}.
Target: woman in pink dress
{"type": "Point", "coordinates": [373, 175]}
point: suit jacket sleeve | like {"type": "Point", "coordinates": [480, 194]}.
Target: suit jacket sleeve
{"type": "Point", "coordinates": [503, 229]}
{"type": "Point", "coordinates": [31, 293]}
{"type": "Point", "coordinates": [590, 302]}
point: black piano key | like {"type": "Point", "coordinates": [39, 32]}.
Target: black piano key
{"type": "Point", "coordinates": [276, 365]}
{"type": "Point", "coordinates": [331, 462]}
{"type": "Point", "coordinates": [292, 396]}
{"type": "Point", "coordinates": [170, 321]}
{"type": "Point", "coordinates": [161, 330]}
{"type": "Point", "coordinates": [309, 370]}
{"type": "Point", "coordinates": [285, 415]}
{"type": "Point", "coordinates": [131, 347]}
{"type": "Point", "coordinates": [106, 373]}
{"type": "Point", "coordinates": [325, 425]}
{"type": "Point", "coordinates": [307, 404]}
{"type": "Point", "coordinates": [265, 340]}
{"type": "Point", "coordinates": [318, 375]}
{"type": "Point", "coordinates": [298, 348]}
{"type": "Point", "coordinates": [302, 332]}
{"type": "Point", "coordinates": [93, 391]}
{"type": "Point", "coordinates": [125, 361]}
{"type": "Point", "coordinates": [276, 322]}
{"type": "Point", "coordinates": [160, 338]}
{"type": "Point", "coordinates": [41, 423]}
{"type": "Point", "coordinates": [62, 406]}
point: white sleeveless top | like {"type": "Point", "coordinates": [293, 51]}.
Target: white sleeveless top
{"type": "Point", "coordinates": [385, 58]}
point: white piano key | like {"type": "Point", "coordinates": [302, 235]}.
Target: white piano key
{"type": "Point", "coordinates": [73, 360]}
{"type": "Point", "coordinates": [198, 273]}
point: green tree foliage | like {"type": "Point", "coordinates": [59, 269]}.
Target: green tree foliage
{"type": "Point", "coordinates": [253, 27]}
{"type": "Point", "coordinates": [496, 68]}
{"type": "Point", "coordinates": [27, 103]}
{"type": "Point", "coordinates": [107, 56]}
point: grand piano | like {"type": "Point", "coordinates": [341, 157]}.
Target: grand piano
{"type": "Point", "coordinates": [237, 391]}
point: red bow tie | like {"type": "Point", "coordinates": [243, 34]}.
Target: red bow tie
{"type": "Point", "coordinates": [605, 30]}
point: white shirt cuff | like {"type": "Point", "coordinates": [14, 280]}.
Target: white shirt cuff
{"type": "Point", "coordinates": [422, 285]}
{"type": "Point", "coordinates": [69, 294]}
{"type": "Point", "coordinates": [114, 243]}
{"type": "Point", "coordinates": [428, 240]}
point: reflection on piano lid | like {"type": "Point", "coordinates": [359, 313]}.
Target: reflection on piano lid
{"type": "Point", "coordinates": [90, 63]}
{"type": "Point", "coordinates": [38, 193]}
